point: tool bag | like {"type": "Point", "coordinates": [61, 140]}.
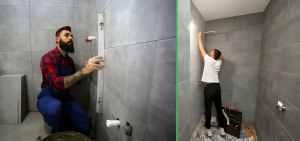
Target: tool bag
{"type": "Point", "coordinates": [235, 118]}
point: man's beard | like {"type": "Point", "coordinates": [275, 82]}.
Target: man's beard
{"type": "Point", "coordinates": [66, 47]}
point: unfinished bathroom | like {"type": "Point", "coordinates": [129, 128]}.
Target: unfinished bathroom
{"type": "Point", "coordinates": [260, 73]}
{"type": "Point", "coordinates": [122, 54]}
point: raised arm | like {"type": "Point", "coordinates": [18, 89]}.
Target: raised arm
{"type": "Point", "coordinates": [221, 58]}
{"type": "Point", "coordinates": [200, 44]}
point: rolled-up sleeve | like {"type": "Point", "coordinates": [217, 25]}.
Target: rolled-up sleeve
{"type": "Point", "coordinates": [49, 68]}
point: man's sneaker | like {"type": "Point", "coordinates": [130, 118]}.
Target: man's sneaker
{"type": "Point", "coordinates": [209, 133]}
{"type": "Point", "coordinates": [221, 131]}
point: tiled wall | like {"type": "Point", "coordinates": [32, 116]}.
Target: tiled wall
{"type": "Point", "coordinates": [279, 72]}
{"type": "Point", "coordinates": [139, 73]}
{"type": "Point", "coordinates": [27, 32]}
{"type": "Point", "coordinates": [196, 67]}
{"type": "Point", "coordinates": [238, 39]}
{"type": "Point", "coordinates": [183, 61]}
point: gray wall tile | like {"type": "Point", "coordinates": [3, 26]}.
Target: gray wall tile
{"type": "Point", "coordinates": [162, 107]}
{"type": "Point", "coordinates": [66, 3]}
{"type": "Point", "coordinates": [43, 40]}
{"type": "Point", "coordinates": [183, 53]}
{"type": "Point", "coordinates": [81, 3]}
{"type": "Point", "coordinates": [36, 60]}
{"type": "Point", "coordinates": [14, 17]}
{"type": "Point", "coordinates": [183, 108]}
{"type": "Point", "coordinates": [81, 18]}
{"type": "Point", "coordinates": [102, 133]}
{"type": "Point", "coordinates": [15, 40]}
{"type": "Point", "coordinates": [39, 16]}
{"type": "Point", "coordinates": [166, 27]}
{"type": "Point", "coordinates": [102, 4]}
{"type": "Point", "coordinates": [293, 8]}
{"type": "Point", "coordinates": [14, 2]}
{"type": "Point", "coordinates": [289, 31]}
{"type": "Point", "coordinates": [183, 14]}
{"type": "Point", "coordinates": [149, 136]}
{"type": "Point", "coordinates": [15, 62]}
{"type": "Point", "coordinates": [291, 59]}
{"type": "Point", "coordinates": [184, 135]}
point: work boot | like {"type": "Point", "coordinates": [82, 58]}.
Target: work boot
{"type": "Point", "coordinates": [221, 131]}
{"type": "Point", "coordinates": [209, 132]}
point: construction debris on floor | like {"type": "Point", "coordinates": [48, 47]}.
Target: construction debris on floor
{"type": "Point", "coordinates": [217, 137]}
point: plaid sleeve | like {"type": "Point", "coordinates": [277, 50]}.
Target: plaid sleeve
{"type": "Point", "coordinates": [49, 67]}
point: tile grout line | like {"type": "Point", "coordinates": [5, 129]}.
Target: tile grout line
{"type": "Point", "coordinates": [182, 130]}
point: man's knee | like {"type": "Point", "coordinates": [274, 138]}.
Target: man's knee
{"type": "Point", "coordinates": [54, 110]}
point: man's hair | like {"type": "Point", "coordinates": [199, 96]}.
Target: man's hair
{"type": "Point", "coordinates": [217, 54]}
{"type": "Point", "coordinates": [61, 29]}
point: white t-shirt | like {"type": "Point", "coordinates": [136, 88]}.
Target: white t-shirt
{"type": "Point", "coordinates": [211, 69]}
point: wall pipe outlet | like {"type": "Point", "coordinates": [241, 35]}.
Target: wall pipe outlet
{"type": "Point", "coordinates": [110, 123]}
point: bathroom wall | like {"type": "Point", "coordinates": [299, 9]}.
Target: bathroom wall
{"type": "Point", "coordinates": [196, 68]}
{"type": "Point", "coordinates": [183, 70]}
{"type": "Point", "coordinates": [239, 40]}
{"type": "Point", "coordinates": [27, 32]}
{"type": "Point", "coordinates": [279, 72]}
{"type": "Point", "coordinates": [139, 73]}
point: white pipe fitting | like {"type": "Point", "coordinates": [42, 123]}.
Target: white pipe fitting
{"type": "Point", "coordinates": [110, 123]}
{"type": "Point", "coordinates": [92, 37]}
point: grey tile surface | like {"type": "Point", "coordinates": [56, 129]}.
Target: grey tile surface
{"type": "Point", "coordinates": [278, 16]}
{"type": "Point", "coordinates": [14, 2]}
{"type": "Point", "coordinates": [288, 33]}
{"type": "Point", "coordinates": [43, 40]}
{"type": "Point", "coordinates": [15, 40]}
{"type": "Point", "coordinates": [36, 60]}
{"type": "Point", "coordinates": [81, 3]}
{"type": "Point", "coordinates": [183, 15]}
{"type": "Point", "coordinates": [293, 8]}
{"type": "Point", "coordinates": [14, 17]}
{"type": "Point", "coordinates": [58, 3]}
{"type": "Point", "coordinates": [184, 135]}
{"type": "Point", "coordinates": [79, 36]}
{"type": "Point", "coordinates": [60, 16]}
{"type": "Point", "coordinates": [183, 53]}
{"type": "Point", "coordinates": [102, 4]}
{"type": "Point", "coordinates": [15, 62]}
{"type": "Point", "coordinates": [102, 134]}
{"type": "Point", "coordinates": [149, 136]}
{"type": "Point", "coordinates": [291, 57]}
{"type": "Point", "coordinates": [183, 108]}
{"type": "Point", "coordinates": [166, 27]}
{"type": "Point", "coordinates": [80, 18]}
{"type": "Point", "coordinates": [162, 107]}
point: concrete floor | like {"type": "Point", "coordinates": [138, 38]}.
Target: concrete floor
{"type": "Point", "coordinates": [31, 127]}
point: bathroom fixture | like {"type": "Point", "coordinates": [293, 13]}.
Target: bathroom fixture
{"type": "Point", "coordinates": [100, 84]}
{"type": "Point", "coordinates": [280, 106]}
{"type": "Point", "coordinates": [199, 83]}
{"type": "Point", "coordinates": [90, 38]}
{"type": "Point", "coordinates": [192, 26]}
{"type": "Point", "coordinates": [110, 123]}
{"type": "Point", "coordinates": [127, 129]}
{"type": "Point", "coordinates": [210, 32]}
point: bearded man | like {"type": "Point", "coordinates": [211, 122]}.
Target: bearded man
{"type": "Point", "coordinates": [59, 73]}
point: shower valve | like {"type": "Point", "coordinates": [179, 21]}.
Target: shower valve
{"type": "Point", "coordinates": [280, 107]}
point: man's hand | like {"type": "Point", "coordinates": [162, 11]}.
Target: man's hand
{"type": "Point", "coordinates": [85, 62]}
{"type": "Point", "coordinates": [92, 64]}
{"type": "Point", "coordinates": [199, 34]}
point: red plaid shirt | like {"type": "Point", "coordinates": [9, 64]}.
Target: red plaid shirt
{"type": "Point", "coordinates": [49, 66]}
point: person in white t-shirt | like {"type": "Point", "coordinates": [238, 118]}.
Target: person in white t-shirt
{"type": "Point", "coordinates": [212, 90]}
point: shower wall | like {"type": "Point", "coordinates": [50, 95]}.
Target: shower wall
{"type": "Point", "coordinates": [239, 40]}
{"type": "Point", "coordinates": [139, 73]}
{"type": "Point", "coordinates": [279, 72]}
{"type": "Point", "coordinates": [27, 32]}
{"type": "Point", "coordinates": [183, 72]}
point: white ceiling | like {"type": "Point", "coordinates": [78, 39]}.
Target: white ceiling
{"type": "Point", "coordinates": [218, 9]}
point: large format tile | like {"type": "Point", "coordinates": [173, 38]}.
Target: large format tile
{"type": "Point", "coordinates": [58, 3]}
{"type": "Point", "coordinates": [136, 64]}
{"type": "Point", "coordinates": [43, 40]}
{"type": "Point", "coordinates": [166, 27]}
{"type": "Point", "coordinates": [183, 107]}
{"type": "Point", "coordinates": [288, 33]}
{"type": "Point", "coordinates": [60, 16]}
{"type": "Point", "coordinates": [279, 16]}
{"type": "Point", "coordinates": [249, 20]}
{"type": "Point", "coordinates": [293, 8]}
{"type": "Point", "coordinates": [80, 18]}
{"type": "Point", "coordinates": [14, 2]}
{"type": "Point", "coordinates": [102, 134]}
{"type": "Point", "coordinates": [162, 108]}
{"type": "Point", "coordinates": [14, 17]}
{"type": "Point", "coordinates": [183, 55]}
{"type": "Point", "coordinates": [279, 132]}
{"type": "Point", "coordinates": [15, 40]}
{"type": "Point", "coordinates": [79, 36]}
{"type": "Point", "coordinates": [183, 19]}
{"type": "Point", "coordinates": [15, 62]}
{"type": "Point", "coordinates": [150, 136]}
{"type": "Point", "coordinates": [81, 3]}
{"type": "Point", "coordinates": [196, 106]}
{"type": "Point", "coordinates": [291, 59]}
{"type": "Point", "coordinates": [102, 4]}
{"type": "Point", "coordinates": [36, 60]}
{"type": "Point", "coordinates": [184, 135]}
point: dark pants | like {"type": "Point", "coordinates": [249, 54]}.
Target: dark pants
{"type": "Point", "coordinates": [212, 92]}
